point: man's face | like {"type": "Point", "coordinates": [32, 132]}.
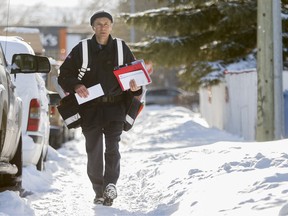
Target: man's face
{"type": "Point", "coordinates": [102, 27]}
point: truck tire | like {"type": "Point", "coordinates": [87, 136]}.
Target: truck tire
{"type": "Point", "coordinates": [14, 182]}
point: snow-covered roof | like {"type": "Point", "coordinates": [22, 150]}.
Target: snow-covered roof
{"type": "Point", "coordinates": [22, 30]}
{"type": "Point", "coordinates": [12, 45]}
{"type": "Point", "coordinates": [243, 65]}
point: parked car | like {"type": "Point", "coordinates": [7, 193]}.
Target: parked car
{"type": "Point", "coordinates": [171, 96]}
{"type": "Point", "coordinates": [59, 133]}
{"type": "Point", "coordinates": [11, 119]}
{"type": "Point", "coordinates": [35, 120]}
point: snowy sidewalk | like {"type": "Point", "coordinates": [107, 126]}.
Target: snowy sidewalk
{"type": "Point", "coordinates": [171, 165]}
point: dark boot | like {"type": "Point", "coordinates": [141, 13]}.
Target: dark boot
{"type": "Point", "coordinates": [110, 193]}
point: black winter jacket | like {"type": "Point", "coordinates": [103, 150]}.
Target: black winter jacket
{"type": "Point", "coordinates": [102, 60]}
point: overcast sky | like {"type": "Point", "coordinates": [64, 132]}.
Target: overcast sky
{"type": "Point", "coordinates": [59, 3]}
{"type": "Point", "coordinates": [48, 3]}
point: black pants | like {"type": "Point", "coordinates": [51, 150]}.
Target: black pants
{"type": "Point", "coordinates": [99, 175]}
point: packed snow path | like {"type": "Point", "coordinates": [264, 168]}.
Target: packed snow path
{"type": "Point", "coordinates": [70, 192]}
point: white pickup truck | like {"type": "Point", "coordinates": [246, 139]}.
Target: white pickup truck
{"type": "Point", "coordinates": [35, 117]}
{"type": "Point", "coordinates": [11, 115]}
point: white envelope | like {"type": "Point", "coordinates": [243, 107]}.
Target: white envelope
{"type": "Point", "coordinates": [94, 92]}
{"type": "Point", "coordinates": [138, 76]}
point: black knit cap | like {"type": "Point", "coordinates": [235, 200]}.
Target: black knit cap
{"type": "Point", "coordinates": [100, 14]}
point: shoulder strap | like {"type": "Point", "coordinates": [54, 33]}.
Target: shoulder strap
{"type": "Point", "coordinates": [120, 51]}
{"type": "Point", "coordinates": [85, 53]}
{"type": "Point", "coordinates": [85, 58]}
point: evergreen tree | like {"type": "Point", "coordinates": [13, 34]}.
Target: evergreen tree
{"type": "Point", "coordinates": [202, 36]}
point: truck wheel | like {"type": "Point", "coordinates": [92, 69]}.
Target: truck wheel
{"type": "Point", "coordinates": [14, 182]}
{"type": "Point", "coordinates": [17, 160]}
{"type": "Point", "coordinates": [2, 132]}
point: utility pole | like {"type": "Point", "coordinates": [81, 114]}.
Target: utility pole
{"type": "Point", "coordinates": [132, 30]}
{"type": "Point", "coordinates": [269, 69]}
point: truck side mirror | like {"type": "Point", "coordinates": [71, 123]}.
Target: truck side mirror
{"type": "Point", "coordinates": [27, 63]}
